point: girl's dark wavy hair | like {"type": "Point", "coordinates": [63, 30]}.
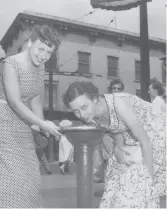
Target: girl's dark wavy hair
{"type": "Point", "coordinates": [44, 32]}
{"type": "Point", "coordinates": [80, 88]}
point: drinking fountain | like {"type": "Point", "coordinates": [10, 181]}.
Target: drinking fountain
{"type": "Point", "coordinates": [84, 139]}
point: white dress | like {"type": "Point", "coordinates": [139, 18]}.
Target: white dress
{"type": "Point", "coordinates": [66, 150]}
{"type": "Point", "coordinates": [159, 105]}
{"type": "Point", "coordinates": [131, 186]}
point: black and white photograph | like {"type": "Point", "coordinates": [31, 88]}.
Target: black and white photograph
{"type": "Point", "coordinates": [83, 103]}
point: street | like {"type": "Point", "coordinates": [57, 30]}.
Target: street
{"type": "Point", "coordinates": [60, 191]}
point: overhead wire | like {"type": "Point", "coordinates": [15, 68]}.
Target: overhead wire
{"type": "Point", "coordinates": [68, 60]}
{"type": "Point", "coordinates": [89, 45]}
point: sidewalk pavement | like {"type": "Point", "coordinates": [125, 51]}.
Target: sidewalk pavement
{"type": "Point", "coordinates": [59, 191]}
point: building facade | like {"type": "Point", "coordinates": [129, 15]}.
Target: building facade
{"type": "Point", "coordinates": [87, 53]}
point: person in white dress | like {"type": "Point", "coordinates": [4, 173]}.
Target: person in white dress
{"type": "Point", "coordinates": [157, 91]}
{"type": "Point", "coordinates": [66, 149]}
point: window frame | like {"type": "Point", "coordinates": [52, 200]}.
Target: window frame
{"type": "Point", "coordinates": [138, 93]}
{"type": "Point", "coordinates": [137, 71]}
{"type": "Point", "coordinates": [117, 68]}
{"type": "Point", "coordinates": [86, 64]}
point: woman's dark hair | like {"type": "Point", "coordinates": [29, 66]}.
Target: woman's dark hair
{"type": "Point", "coordinates": [45, 34]}
{"type": "Point", "coordinates": [80, 88]}
{"type": "Point", "coordinates": [159, 87]}
{"type": "Point", "coordinates": [23, 46]}
{"type": "Point", "coordinates": [116, 81]}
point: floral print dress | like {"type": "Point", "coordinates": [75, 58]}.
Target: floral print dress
{"type": "Point", "coordinates": [20, 180]}
{"type": "Point", "coordinates": [130, 186]}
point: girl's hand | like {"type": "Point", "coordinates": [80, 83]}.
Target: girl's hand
{"type": "Point", "coordinates": [37, 129]}
{"type": "Point", "coordinates": [50, 127]}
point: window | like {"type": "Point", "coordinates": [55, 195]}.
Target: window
{"type": "Point", "coordinates": [138, 92]}
{"type": "Point", "coordinates": [137, 70]}
{"type": "Point", "coordinates": [55, 95]}
{"type": "Point", "coordinates": [112, 66]}
{"type": "Point", "coordinates": [83, 62]}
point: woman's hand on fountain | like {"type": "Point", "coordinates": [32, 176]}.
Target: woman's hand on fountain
{"type": "Point", "coordinates": [65, 123]}
{"type": "Point", "coordinates": [50, 128]}
{"type": "Point", "coordinates": [35, 128]}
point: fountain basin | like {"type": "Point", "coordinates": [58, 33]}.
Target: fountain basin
{"type": "Point", "coordinates": [83, 134]}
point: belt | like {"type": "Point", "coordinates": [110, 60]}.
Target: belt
{"type": "Point", "coordinates": [3, 101]}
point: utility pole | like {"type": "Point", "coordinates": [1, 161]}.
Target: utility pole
{"type": "Point", "coordinates": [144, 52]}
{"type": "Point", "coordinates": [120, 5]}
{"type": "Point", "coordinates": [51, 65]}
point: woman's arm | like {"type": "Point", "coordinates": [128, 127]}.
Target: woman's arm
{"type": "Point", "coordinates": [12, 90]}
{"type": "Point", "coordinates": [37, 109]}
{"type": "Point", "coordinates": [127, 115]}
{"type": "Point", "coordinates": [37, 106]}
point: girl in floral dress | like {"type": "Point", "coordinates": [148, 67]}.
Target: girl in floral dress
{"type": "Point", "coordinates": [136, 171]}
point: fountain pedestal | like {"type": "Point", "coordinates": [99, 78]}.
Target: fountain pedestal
{"type": "Point", "coordinates": [84, 139]}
